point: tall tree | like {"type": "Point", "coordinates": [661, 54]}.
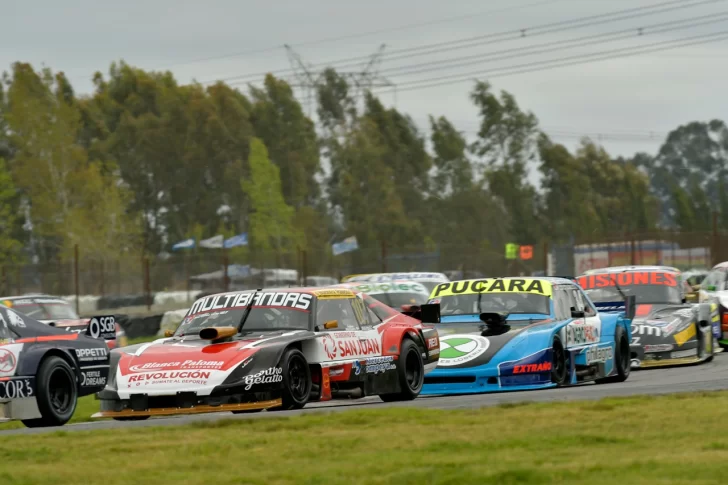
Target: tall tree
{"type": "Point", "coordinates": [271, 219]}
{"type": "Point", "coordinates": [507, 145]}
{"type": "Point", "coordinates": [64, 187]}
{"type": "Point", "coordinates": [291, 139]}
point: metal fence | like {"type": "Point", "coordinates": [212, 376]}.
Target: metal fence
{"type": "Point", "coordinates": [217, 269]}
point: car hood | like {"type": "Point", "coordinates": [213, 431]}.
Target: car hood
{"type": "Point", "coordinates": [191, 364]}
{"type": "Point", "coordinates": [664, 323]}
{"type": "Point", "coordinates": [463, 344]}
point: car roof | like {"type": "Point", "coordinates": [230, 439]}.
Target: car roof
{"type": "Point", "coordinates": [409, 275]}
{"type": "Point", "coordinates": [632, 268]}
{"type": "Point", "coordinates": [311, 290]}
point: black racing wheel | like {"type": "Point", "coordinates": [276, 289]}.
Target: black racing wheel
{"type": "Point", "coordinates": [411, 373]}
{"type": "Point", "coordinates": [56, 393]}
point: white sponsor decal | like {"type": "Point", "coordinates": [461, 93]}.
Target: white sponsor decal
{"type": "Point", "coordinates": [684, 353]}
{"type": "Point", "coordinates": [658, 348]}
{"type": "Point", "coordinates": [380, 364]}
{"type": "Point", "coordinates": [268, 376]}
{"type": "Point", "coordinates": [458, 349]}
{"type": "Point", "coordinates": [15, 319]}
{"type": "Point", "coordinates": [102, 326]}
{"type": "Point", "coordinates": [301, 301]}
{"type": "Point", "coordinates": [92, 378]}
{"type": "Point", "coordinates": [642, 329]}
{"type": "Point", "coordinates": [581, 333]}
{"type": "Point", "coordinates": [599, 354]}
{"type": "Point", "coordinates": [85, 355]}
{"type": "Point", "coordinates": [16, 389]}
{"type": "Point", "coordinates": [187, 364]}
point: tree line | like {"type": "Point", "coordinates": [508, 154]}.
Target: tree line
{"type": "Point", "coordinates": [144, 162]}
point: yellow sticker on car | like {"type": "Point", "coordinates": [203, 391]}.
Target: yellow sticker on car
{"type": "Point", "coordinates": [496, 285]}
{"type": "Point", "coordinates": [685, 335]}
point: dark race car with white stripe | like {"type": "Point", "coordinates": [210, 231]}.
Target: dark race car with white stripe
{"type": "Point", "coordinates": [44, 370]}
{"type": "Point", "coordinates": [57, 312]}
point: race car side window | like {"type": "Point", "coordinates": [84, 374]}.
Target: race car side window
{"type": "Point", "coordinates": [589, 310]}
{"type": "Point", "coordinates": [338, 309]}
{"type": "Point", "coordinates": [371, 317]}
{"type": "Point", "coordinates": [571, 304]}
{"type": "Point", "coordinates": [5, 332]}
{"type": "Point", "coordinates": [561, 303]}
{"type": "Point", "coordinates": [714, 278]}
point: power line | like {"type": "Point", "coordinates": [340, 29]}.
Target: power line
{"type": "Point", "coordinates": [563, 62]}
{"type": "Point", "coordinates": [504, 36]}
{"type": "Point", "coordinates": [565, 44]}
{"type": "Point", "coordinates": [358, 35]}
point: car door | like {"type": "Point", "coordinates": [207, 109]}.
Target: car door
{"type": "Point", "coordinates": [585, 329]}
{"type": "Point", "coordinates": [346, 341]}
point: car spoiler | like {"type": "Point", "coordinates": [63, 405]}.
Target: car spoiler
{"type": "Point", "coordinates": [628, 307]}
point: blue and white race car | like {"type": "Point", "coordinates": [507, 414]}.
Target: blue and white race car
{"type": "Point", "coordinates": [509, 334]}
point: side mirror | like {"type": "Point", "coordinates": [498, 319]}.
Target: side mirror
{"type": "Point", "coordinates": [577, 314]}
{"type": "Point", "coordinates": [331, 324]}
{"type": "Point", "coordinates": [710, 287]}
{"type": "Point", "coordinates": [168, 333]}
{"type": "Point", "coordinates": [430, 313]}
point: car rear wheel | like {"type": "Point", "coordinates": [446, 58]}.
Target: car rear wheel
{"type": "Point", "coordinates": [622, 358]}
{"type": "Point", "coordinates": [411, 373]}
{"type": "Point", "coordinates": [56, 393]}
{"type": "Point", "coordinates": [296, 380]}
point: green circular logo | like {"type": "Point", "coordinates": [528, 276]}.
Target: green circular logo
{"type": "Point", "coordinates": [458, 349]}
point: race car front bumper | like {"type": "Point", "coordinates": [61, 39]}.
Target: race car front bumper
{"type": "Point", "coordinates": [642, 360]}
{"type": "Point", "coordinates": [181, 403]}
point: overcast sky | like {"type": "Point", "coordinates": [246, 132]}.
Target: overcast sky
{"type": "Point", "coordinates": [631, 101]}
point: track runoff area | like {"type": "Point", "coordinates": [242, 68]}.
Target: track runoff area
{"type": "Point", "coordinates": [711, 376]}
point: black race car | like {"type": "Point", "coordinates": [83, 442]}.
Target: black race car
{"type": "Point", "coordinates": [43, 369]}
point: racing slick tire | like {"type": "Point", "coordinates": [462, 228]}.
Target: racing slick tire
{"type": "Point", "coordinates": [296, 380]}
{"type": "Point", "coordinates": [411, 373]}
{"type": "Point", "coordinates": [622, 358]}
{"type": "Point", "coordinates": [56, 393]}
{"type": "Point", "coordinates": [560, 364]}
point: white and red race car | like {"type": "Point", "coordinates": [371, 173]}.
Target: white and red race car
{"type": "Point", "coordinates": [273, 349]}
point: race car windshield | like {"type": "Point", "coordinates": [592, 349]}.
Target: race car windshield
{"type": "Point", "coordinates": [396, 300]}
{"type": "Point", "coordinates": [430, 285]}
{"type": "Point", "coordinates": [513, 303]}
{"type": "Point", "coordinates": [652, 294]}
{"type": "Point", "coordinates": [47, 311]}
{"type": "Point", "coordinates": [261, 318]}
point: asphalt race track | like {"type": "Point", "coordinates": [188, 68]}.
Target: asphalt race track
{"type": "Point", "coordinates": [704, 377]}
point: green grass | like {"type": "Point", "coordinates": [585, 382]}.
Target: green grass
{"type": "Point", "coordinates": [648, 440]}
